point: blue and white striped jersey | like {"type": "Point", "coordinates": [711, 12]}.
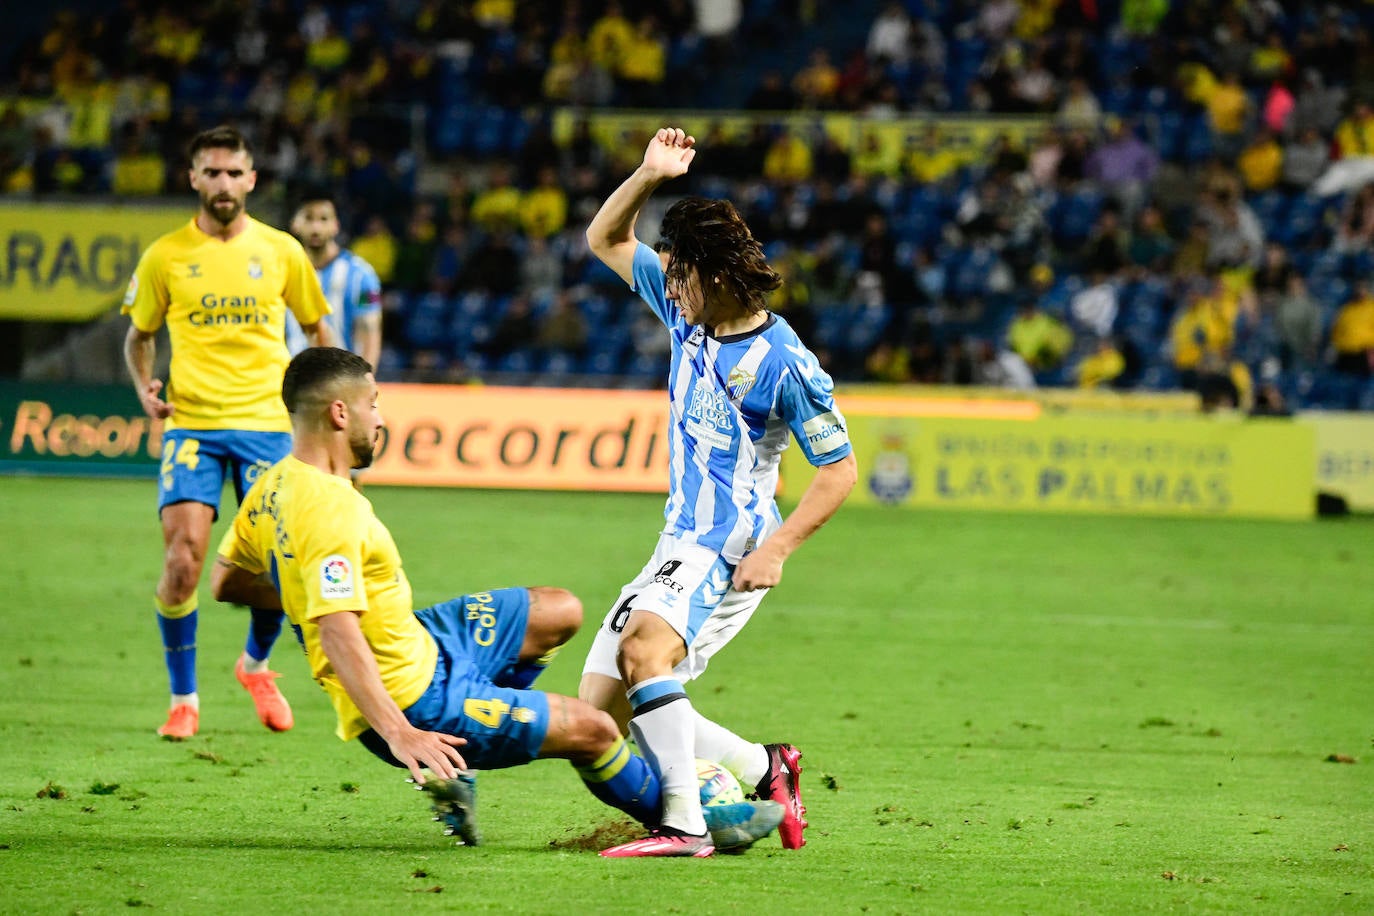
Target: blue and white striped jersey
{"type": "Point", "coordinates": [732, 403]}
{"type": "Point", "coordinates": [352, 288]}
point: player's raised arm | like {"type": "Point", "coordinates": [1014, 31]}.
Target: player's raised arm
{"type": "Point", "coordinates": [611, 234]}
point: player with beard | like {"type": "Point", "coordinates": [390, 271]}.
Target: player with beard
{"type": "Point", "coordinates": [415, 686]}
{"type": "Point", "coordinates": [222, 284]}
{"type": "Point", "coordinates": [350, 284]}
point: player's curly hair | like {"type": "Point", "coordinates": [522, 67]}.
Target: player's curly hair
{"type": "Point", "coordinates": [313, 371]}
{"type": "Point", "coordinates": [711, 236]}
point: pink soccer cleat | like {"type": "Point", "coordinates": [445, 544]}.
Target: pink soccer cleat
{"type": "Point", "coordinates": [783, 784]}
{"type": "Point", "coordinates": [664, 842]}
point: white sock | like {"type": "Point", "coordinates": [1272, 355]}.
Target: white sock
{"type": "Point", "coordinates": [665, 737]}
{"type": "Point", "coordinates": [192, 698]}
{"type": "Point", "coordinates": [252, 666]}
{"type": "Point", "coordinates": [748, 761]}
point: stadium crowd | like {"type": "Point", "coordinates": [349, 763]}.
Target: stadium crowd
{"type": "Point", "coordinates": [1185, 200]}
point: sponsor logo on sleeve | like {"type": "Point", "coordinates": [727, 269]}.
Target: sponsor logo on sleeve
{"type": "Point", "coordinates": [336, 577]}
{"type": "Point", "coordinates": [825, 433]}
{"type": "Point", "coordinates": [132, 292]}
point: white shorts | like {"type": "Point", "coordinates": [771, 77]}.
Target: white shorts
{"type": "Point", "coordinates": [689, 587]}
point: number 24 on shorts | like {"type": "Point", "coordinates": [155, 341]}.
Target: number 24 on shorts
{"type": "Point", "coordinates": [188, 455]}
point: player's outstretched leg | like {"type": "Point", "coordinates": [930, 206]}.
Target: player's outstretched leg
{"type": "Point", "coordinates": [273, 710]}
{"type": "Point", "coordinates": [782, 784]}
{"type": "Point", "coordinates": [455, 805]}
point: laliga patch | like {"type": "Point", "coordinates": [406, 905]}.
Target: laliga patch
{"type": "Point", "coordinates": [825, 433]}
{"type": "Point", "coordinates": [132, 292]}
{"type": "Point", "coordinates": [336, 577]}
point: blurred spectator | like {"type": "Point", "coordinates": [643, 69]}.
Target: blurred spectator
{"type": "Point", "coordinates": [564, 329]}
{"type": "Point", "coordinates": [495, 266]}
{"type": "Point", "coordinates": [516, 329]}
{"type": "Point", "coordinates": [644, 64]}
{"type": "Point", "coordinates": [1039, 338]}
{"type": "Point", "coordinates": [771, 94]}
{"type": "Point", "coordinates": [1352, 333]}
{"type": "Point", "coordinates": [1094, 307]}
{"type": "Point", "coordinates": [1204, 326]}
{"type": "Point", "coordinates": [541, 270]}
{"type": "Point", "coordinates": [377, 246]}
{"type": "Point", "coordinates": [1317, 105]}
{"type": "Point", "coordinates": [609, 37]}
{"type": "Point", "coordinates": [1224, 382]}
{"type": "Point", "coordinates": [1298, 325]}
{"type": "Point", "coordinates": [998, 368]}
{"type": "Point", "coordinates": [789, 158]}
{"type": "Point", "coordinates": [1079, 109]}
{"type": "Point", "coordinates": [1271, 280]}
{"type": "Point", "coordinates": [138, 170]}
{"type": "Point", "coordinates": [929, 159]}
{"type": "Point", "coordinates": [544, 210]}
{"type": "Point", "coordinates": [1235, 235]}
{"type": "Point", "coordinates": [1228, 106]}
{"type": "Point", "coordinates": [498, 205]}
{"type": "Point", "coordinates": [1355, 231]}
{"type": "Point", "coordinates": [1260, 163]}
{"type": "Point", "coordinates": [817, 84]}
{"type": "Point", "coordinates": [1151, 247]}
{"type": "Point", "coordinates": [1124, 166]}
{"type": "Point", "coordinates": [415, 252]}
{"type": "Point", "coordinates": [1355, 134]}
{"type": "Point", "coordinates": [1304, 159]}
{"type": "Point", "coordinates": [1105, 250]}
{"type": "Point", "coordinates": [888, 362]}
{"type": "Point", "coordinates": [889, 37]}
{"type": "Point", "coordinates": [1102, 366]}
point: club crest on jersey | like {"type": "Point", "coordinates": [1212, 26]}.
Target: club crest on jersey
{"type": "Point", "coordinates": [739, 382]}
{"type": "Point", "coordinates": [255, 267]}
{"type": "Point", "coordinates": [336, 577]}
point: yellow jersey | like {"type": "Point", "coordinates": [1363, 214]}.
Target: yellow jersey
{"type": "Point", "coordinates": [320, 543]}
{"type": "Point", "coordinates": [224, 304]}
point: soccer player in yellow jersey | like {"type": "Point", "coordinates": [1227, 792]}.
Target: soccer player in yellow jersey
{"type": "Point", "coordinates": [222, 285]}
{"type": "Point", "coordinates": [415, 686]}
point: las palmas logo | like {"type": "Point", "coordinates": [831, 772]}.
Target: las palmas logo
{"type": "Point", "coordinates": [255, 267]}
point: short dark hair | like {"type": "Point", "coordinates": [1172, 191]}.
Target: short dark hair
{"type": "Point", "coordinates": [315, 194]}
{"type": "Point", "coordinates": [711, 236]}
{"type": "Point", "coordinates": [315, 370]}
{"type": "Point", "coordinates": [224, 136]}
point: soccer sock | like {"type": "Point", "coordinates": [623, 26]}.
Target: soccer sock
{"type": "Point", "coordinates": [663, 727]}
{"type": "Point", "coordinates": [178, 625]}
{"type": "Point", "coordinates": [626, 781]}
{"type": "Point", "coordinates": [748, 761]}
{"type": "Point", "coordinates": [522, 674]}
{"type": "Point", "coordinates": [263, 630]}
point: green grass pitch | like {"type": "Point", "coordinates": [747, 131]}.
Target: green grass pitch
{"type": "Point", "coordinates": [999, 713]}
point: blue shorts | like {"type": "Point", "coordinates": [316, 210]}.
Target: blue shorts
{"type": "Point", "coordinates": [479, 637]}
{"type": "Point", "coordinates": [195, 461]}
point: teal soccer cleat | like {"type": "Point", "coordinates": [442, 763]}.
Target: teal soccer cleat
{"type": "Point", "coordinates": [455, 805]}
{"type": "Point", "coordinates": [735, 827]}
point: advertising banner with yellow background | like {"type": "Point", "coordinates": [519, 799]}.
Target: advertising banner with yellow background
{"type": "Point", "coordinates": [523, 438]}
{"type": "Point", "coordinates": [1205, 466]}
{"type": "Point", "coordinates": [72, 262]}
{"type": "Point", "coordinates": [624, 134]}
{"type": "Point", "coordinates": [1345, 456]}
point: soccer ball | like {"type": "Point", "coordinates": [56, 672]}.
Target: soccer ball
{"type": "Point", "coordinates": [718, 785]}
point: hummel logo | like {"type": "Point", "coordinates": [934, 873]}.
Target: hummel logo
{"type": "Point", "coordinates": [193, 271]}
{"type": "Point", "coordinates": [803, 360]}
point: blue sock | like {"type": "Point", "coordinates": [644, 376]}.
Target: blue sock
{"type": "Point", "coordinates": [263, 631]}
{"type": "Point", "coordinates": [179, 650]}
{"type": "Point", "coordinates": [626, 781]}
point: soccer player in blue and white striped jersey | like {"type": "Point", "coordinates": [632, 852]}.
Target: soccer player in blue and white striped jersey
{"type": "Point", "coordinates": [740, 386]}
{"type": "Point", "coordinates": [350, 284]}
